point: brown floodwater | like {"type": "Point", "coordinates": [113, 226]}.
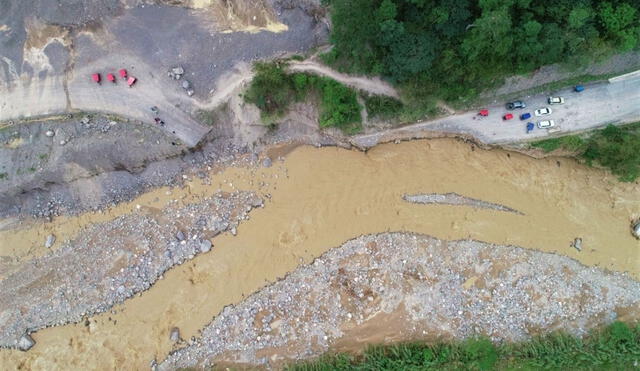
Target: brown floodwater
{"type": "Point", "coordinates": [321, 198]}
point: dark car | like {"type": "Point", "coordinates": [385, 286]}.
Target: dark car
{"type": "Point", "coordinates": [516, 104]}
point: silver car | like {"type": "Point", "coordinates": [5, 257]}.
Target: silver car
{"type": "Point", "coordinates": [546, 124]}
{"type": "Point", "coordinates": [542, 111]}
{"type": "Point", "coordinates": [555, 100]}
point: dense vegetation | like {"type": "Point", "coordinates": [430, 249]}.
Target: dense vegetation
{"type": "Point", "coordinates": [615, 348]}
{"type": "Point", "coordinates": [273, 90]}
{"type": "Point", "coordinates": [454, 48]}
{"type": "Point", "coordinates": [615, 147]}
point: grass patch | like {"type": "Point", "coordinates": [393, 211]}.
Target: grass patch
{"type": "Point", "coordinates": [616, 347]}
{"type": "Point", "coordinates": [32, 169]}
{"type": "Point", "coordinates": [4, 176]}
{"type": "Point", "coordinates": [43, 156]}
{"type": "Point", "coordinates": [273, 90]}
{"type": "Point", "coordinates": [571, 143]}
{"type": "Point", "coordinates": [614, 147]}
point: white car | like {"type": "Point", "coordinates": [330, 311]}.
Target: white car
{"type": "Point", "coordinates": [555, 100]}
{"type": "Point", "coordinates": [542, 111]}
{"type": "Point", "coordinates": [546, 124]}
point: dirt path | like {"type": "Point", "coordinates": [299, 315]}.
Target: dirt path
{"type": "Point", "coordinates": [373, 85]}
{"type": "Point", "coordinates": [319, 198]}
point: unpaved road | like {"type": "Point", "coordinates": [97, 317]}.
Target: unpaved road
{"type": "Point", "coordinates": [371, 85]}
{"type": "Point", "coordinates": [599, 105]}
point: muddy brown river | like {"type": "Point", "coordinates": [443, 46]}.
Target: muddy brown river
{"type": "Point", "coordinates": [321, 198]}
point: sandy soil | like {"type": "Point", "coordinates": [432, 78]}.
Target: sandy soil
{"type": "Point", "coordinates": [320, 198]}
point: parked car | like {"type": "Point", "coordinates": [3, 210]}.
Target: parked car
{"type": "Point", "coordinates": [542, 111]}
{"type": "Point", "coordinates": [546, 124]}
{"type": "Point", "coordinates": [508, 116]}
{"type": "Point", "coordinates": [516, 104]}
{"type": "Point", "coordinates": [525, 116]}
{"type": "Point", "coordinates": [555, 100]}
{"type": "Point", "coordinates": [530, 127]}
{"type": "Point", "coordinates": [578, 88]}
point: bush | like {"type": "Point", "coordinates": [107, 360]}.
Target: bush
{"type": "Point", "coordinates": [615, 147]}
{"type": "Point", "coordinates": [383, 107]}
{"type": "Point", "coordinates": [339, 107]}
{"type": "Point", "coordinates": [273, 90]}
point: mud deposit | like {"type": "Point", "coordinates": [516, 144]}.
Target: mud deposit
{"type": "Point", "coordinates": [319, 198]}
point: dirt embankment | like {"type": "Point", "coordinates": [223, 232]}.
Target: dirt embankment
{"type": "Point", "coordinates": [400, 287]}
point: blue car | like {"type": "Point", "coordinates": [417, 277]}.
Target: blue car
{"type": "Point", "coordinates": [530, 127]}
{"type": "Point", "coordinates": [525, 116]}
{"type": "Point", "coordinates": [578, 88]}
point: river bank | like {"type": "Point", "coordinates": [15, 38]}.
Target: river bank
{"type": "Point", "coordinates": [318, 198]}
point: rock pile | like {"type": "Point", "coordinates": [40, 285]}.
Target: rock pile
{"type": "Point", "coordinates": [411, 286]}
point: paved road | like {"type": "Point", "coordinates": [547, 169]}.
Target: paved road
{"type": "Point", "coordinates": [601, 104]}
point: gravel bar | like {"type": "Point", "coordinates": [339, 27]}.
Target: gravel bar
{"type": "Point", "coordinates": [446, 289]}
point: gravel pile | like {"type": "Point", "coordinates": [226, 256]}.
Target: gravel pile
{"type": "Point", "coordinates": [443, 289]}
{"type": "Point", "coordinates": [111, 261]}
{"type": "Point", "coordinates": [456, 199]}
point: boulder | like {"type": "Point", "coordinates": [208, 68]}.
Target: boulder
{"type": "Point", "coordinates": [174, 335]}
{"type": "Point", "coordinates": [51, 239]}
{"type": "Point", "coordinates": [190, 92]}
{"type": "Point", "coordinates": [577, 244]}
{"type": "Point", "coordinates": [177, 70]}
{"type": "Point", "coordinates": [267, 162]}
{"type": "Point", "coordinates": [49, 133]}
{"type": "Point", "coordinates": [205, 246]}
{"type": "Point", "coordinates": [26, 342]}
{"type": "Point", "coordinates": [186, 84]}
{"type": "Point", "coordinates": [636, 229]}
{"type": "Point", "coordinates": [180, 236]}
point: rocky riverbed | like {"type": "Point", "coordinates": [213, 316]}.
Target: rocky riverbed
{"type": "Point", "coordinates": [110, 262]}
{"type": "Point", "coordinates": [401, 286]}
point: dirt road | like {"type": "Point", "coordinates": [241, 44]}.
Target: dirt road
{"type": "Point", "coordinates": [372, 85]}
{"type": "Point", "coordinates": [599, 105]}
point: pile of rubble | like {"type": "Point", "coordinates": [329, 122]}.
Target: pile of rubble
{"type": "Point", "coordinates": [176, 74]}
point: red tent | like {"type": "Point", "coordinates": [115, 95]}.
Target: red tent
{"type": "Point", "coordinates": [123, 73]}
{"type": "Point", "coordinates": [96, 77]}
{"type": "Point", "coordinates": [111, 78]}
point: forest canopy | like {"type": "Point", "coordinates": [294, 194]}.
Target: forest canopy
{"type": "Point", "coordinates": [454, 48]}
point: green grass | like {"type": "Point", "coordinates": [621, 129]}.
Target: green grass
{"type": "Point", "coordinates": [43, 156]}
{"type": "Point", "coordinates": [3, 175]}
{"type": "Point", "coordinates": [571, 143]}
{"type": "Point", "coordinates": [614, 147]}
{"type": "Point", "coordinates": [615, 347]}
{"type": "Point", "coordinates": [273, 90]}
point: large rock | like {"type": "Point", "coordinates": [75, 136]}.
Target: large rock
{"type": "Point", "coordinates": [174, 335]}
{"type": "Point", "coordinates": [51, 239]}
{"type": "Point", "coordinates": [26, 342]}
{"type": "Point", "coordinates": [205, 246]}
{"type": "Point", "coordinates": [636, 229]}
